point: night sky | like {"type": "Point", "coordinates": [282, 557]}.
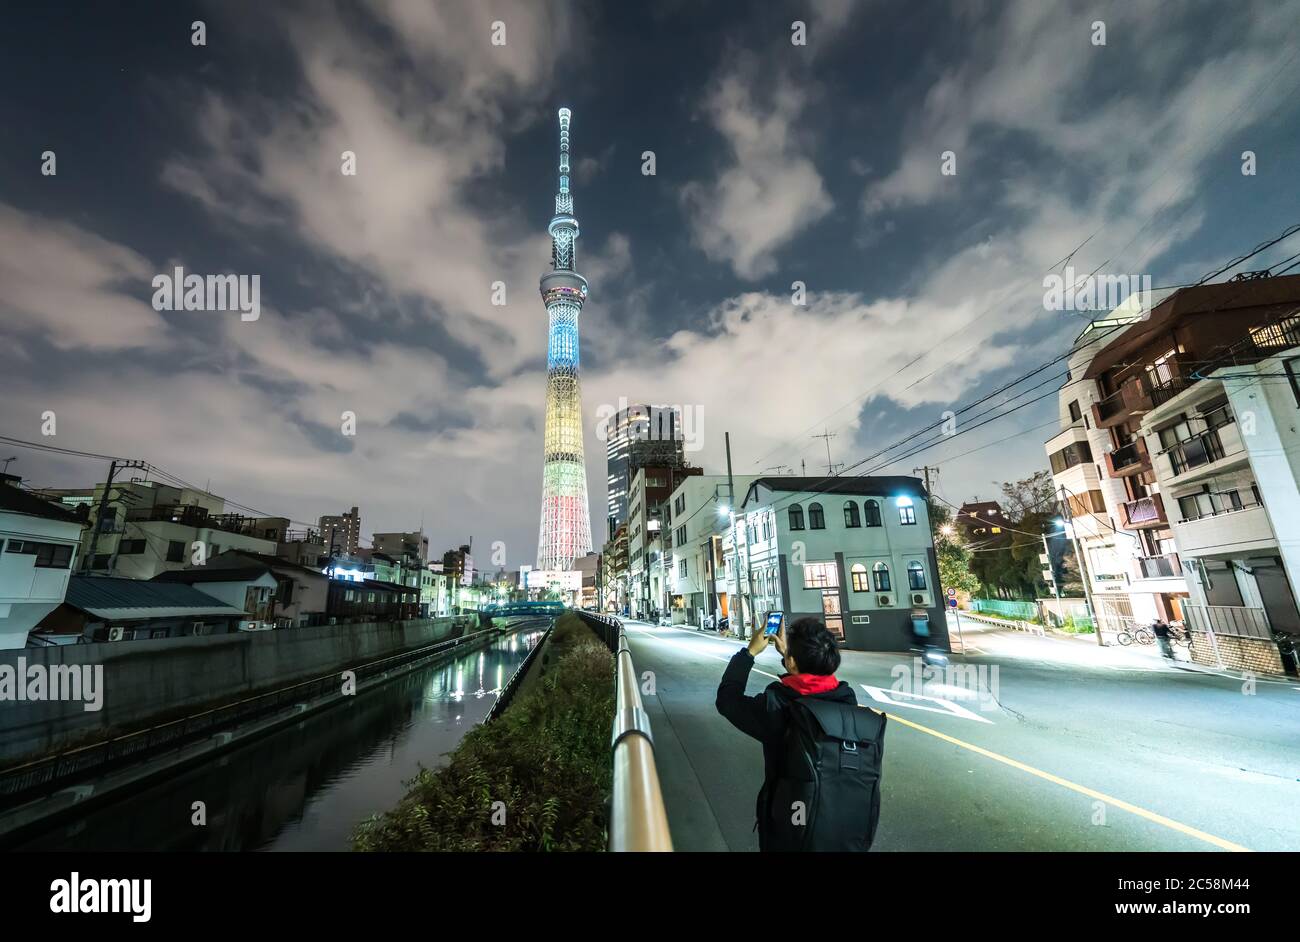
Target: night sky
{"type": "Point", "coordinates": [775, 163]}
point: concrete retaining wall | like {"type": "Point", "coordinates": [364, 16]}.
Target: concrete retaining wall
{"type": "Point", "coordinates": [147, 682]}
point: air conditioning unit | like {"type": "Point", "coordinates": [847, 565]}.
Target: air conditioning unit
{"type": "Point", "coordinates": [115, 634]}
{"type": "Point", "coordinates": [918, 600]}
{"type": "Point", "coordinates": [883, 600]}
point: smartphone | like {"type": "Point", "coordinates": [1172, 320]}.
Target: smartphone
{"type": "Point", "coordinates": [774, 620]}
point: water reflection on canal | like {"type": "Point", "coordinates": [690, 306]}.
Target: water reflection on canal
{"type": "Point", "coordinates": [306, 786]}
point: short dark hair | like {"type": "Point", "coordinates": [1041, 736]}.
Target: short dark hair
{"type": "Point", "coordinates": [812, 646]}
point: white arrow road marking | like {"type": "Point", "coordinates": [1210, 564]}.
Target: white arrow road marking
{"type": "Point", "coordinates": [941, 705]}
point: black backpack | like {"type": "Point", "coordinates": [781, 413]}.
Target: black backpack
{"type": "Point", "coordinates": [827, 794]}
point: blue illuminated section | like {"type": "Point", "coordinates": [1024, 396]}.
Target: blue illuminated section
{"type": "Point", "coordinates": [562, 349]}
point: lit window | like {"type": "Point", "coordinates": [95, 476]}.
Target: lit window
{"type": "Point", "coordinates": [858, 574]}
{"type": "Point", "coordinates": [820, 576]}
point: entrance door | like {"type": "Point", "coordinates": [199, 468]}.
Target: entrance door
{"type": "Point", "coordinates": [831, 612]}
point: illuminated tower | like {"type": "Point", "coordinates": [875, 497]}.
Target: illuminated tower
{"type": "Point", "coordinates": [565, 533]}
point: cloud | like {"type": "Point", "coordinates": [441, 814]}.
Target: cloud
{"type": "Point", "coordinates": [769, 191]}
{"type": "Point", "coordinates": [421, 136]}
{"type": "Point", "coordinates": [73, 287]}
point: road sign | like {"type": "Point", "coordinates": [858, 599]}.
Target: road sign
{"type": "Point", "coordinates": [952, 593]}
{"type": "Point", "coordinates": [952, 603]}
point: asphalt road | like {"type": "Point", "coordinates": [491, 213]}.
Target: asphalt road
{"type": "Point", "coordinates": [1042, 744]}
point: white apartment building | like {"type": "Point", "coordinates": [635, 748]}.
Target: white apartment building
{"type": "Point", "coordinates": [1129, 583]}
{"type": "Point", "coordinates": [1225, 451]}
{"type": "Point", "coordinates": [696, 517]}
{"type": "Point", "coordinates": [147, 528]}
{"type": "Point", "coordinates": [856, 552]}
{"type": "Point", "coordinates": [38, 550]}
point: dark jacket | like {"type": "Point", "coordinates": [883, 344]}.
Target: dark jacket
{"type": "Point", "coordinates": [764, 716]}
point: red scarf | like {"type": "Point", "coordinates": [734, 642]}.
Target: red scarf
{"type": "Point", "coordinates": [804, 684]}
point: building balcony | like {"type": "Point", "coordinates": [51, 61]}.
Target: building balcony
{"type": "Point", "coordinates": [1109, 411]}
{"type": "Point", "coordinates": [1143, 513]}
{"type": "Point", "coordinates": [1129, 460]}
{"type": "Point", "coordinates": [1159, 567]}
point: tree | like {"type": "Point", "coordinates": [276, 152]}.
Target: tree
{"type": "Point", "coordinates": [954, 559]}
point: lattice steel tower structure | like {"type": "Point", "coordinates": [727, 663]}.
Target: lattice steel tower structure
{"type": "Point", "coordinates": [565, 532]}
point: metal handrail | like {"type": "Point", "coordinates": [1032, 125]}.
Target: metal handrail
{"type": "Point", "coordinates": [638, 818]}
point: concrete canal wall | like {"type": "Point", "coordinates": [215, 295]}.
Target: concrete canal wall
{"type": "Point", "coordinates": [142, 683]}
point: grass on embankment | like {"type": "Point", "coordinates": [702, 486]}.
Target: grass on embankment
{"type": "Point", "coordinates": [546, 760]}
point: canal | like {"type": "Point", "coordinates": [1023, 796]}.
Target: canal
{"type": "Point", "coordinates": [305, 787]}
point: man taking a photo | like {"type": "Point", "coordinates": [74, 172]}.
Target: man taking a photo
{"type": "Point", "coordinates": [821, 751]}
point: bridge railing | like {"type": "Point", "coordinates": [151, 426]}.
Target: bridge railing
{"type": "Point", "coordinates": [638, 820]}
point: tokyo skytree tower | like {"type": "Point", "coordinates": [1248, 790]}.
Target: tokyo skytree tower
{"type": "Point", "coordinates": [565, 532]}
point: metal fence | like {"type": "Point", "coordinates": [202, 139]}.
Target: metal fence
{"type": "Point", "coordinates": [1236, 620]}
{"type": "Point", "coordinates": [1006, 608]}
{"type": "Point", "coordinates": [507, 694]}
{"type": "Point", "coordinates": [638, 820]}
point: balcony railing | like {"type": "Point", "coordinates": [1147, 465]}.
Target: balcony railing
{"type": "Point", "coordinates": [1282, 335]}
{"type": "Point", "coordinates": [1129, 459]}
{"type": "Point", "coordinates": [1167, 390]}
{"type": "Point", "coordinates": [1238, 620]}
{"type": "Point", "coordinates": [1143, 512]}
{"type": "Point", "coordinates": [1198, 450]}
{"type": "Point", "coordinates": [1160, 567]}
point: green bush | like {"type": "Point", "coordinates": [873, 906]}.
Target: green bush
{"type": "Point", "coordinates": [546, 758]}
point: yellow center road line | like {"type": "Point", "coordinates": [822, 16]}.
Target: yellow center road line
{"type": "Point", "coordinates": [1081, 789]}
{"type": "Point", "coordinates": [1016, 764]}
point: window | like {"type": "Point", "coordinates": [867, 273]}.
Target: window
{"type": "Point", "coordinates": [1292, 368]}
{"type": "Point", "coordinates": [130, 547]}
{"type": "Point", "coordinates": [858, 576]}
{"type": "Point", "coordinates": [907, 514]}
{"type": "Point", "coordinates": [1069, 456]}
{"type": "Point", "coordinates": [175, 551]}
{"type": "Point", "coordinates": [851, 517]}
{"type": "Point", "coordinates": [681, 535]}
{"type": "Point", "coordinates": [873, 513]}
{"type": "Point", "coordinates": [915, 576]}
{"type": "Point", "coordinates": [48, 555]}
{"type": "Point", "coordinates": [681, 568]}
{"type": "Point", "coordinates": [1075, 412]}
{"type": "Point", "coordinates": [880, 573]}
{"type": "Point", "coordinates": [815, 519]}
{"type": "Point", "coordinates": [820, 576]}
{"type": "Point", "coordinates": [796, 517]}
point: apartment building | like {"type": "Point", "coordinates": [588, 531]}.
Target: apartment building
{"type": "Point", "coordinates": [341, 533]}
{"type": "Point", "coordinates": [139, 529]}
{"type": "Point", "coordinates": [647, 572]}
{"type": "Point", "coordinates": [38, 551]}
{"type": "Point", "coordinates": [856, 552]}
{"type": "Point", "coordinates": [702, 577]}
{"type": "Point", "coordinates": [1181, 403]}
{"type": "Point", "coordinates": [1106, 488]}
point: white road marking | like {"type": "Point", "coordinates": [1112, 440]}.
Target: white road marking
{"type": "Point", "coordinates": [947, 707]}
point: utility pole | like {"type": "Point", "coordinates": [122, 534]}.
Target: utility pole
{"type": "Point", "coordinates": [926, 469]}
{"type": "Point", "coordinates": [737, 523]}
{"type": "Point", "coordinates": [113, 467]}
{"type": "Point", "coordinates": [1083, 566]}
{"type": "Point", "coordinates": [827, 434]}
